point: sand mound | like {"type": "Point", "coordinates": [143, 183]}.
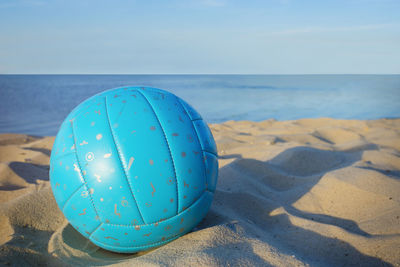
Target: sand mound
{"type": "Point", "coordinates": [305, 161]}
{"type": "Point", "coordinates": [16, 139]}
{"type": "Point", "coordinates": [312, 192]}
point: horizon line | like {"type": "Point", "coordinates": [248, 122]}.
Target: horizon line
{"type": "Point", "coordinates": [4, 74]}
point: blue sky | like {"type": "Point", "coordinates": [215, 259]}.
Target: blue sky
{"type": "Point", "coordinates": [203, 36]}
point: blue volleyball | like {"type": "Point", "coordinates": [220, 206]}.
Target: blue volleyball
{"type": "Point", "coordinates": [133, 168]}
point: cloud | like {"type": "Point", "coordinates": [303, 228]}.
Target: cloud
{"type": "Point", "coordinates": [334, 29]}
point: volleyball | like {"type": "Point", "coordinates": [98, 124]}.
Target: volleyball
{"type": "Point", "coordinates": [134, 168]}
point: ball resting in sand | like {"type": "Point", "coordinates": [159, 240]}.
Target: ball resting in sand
{"type": "Point", "coordinates": [133, 168]}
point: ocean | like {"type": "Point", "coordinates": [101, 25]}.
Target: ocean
{"type": "Point", "coordinates": [37, 104]}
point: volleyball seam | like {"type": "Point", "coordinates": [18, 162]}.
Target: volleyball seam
{"type": "Point", "coordinates": [167, 219]}
{"type": "Point", "coordinates": [80, 170]}
{"type": "Point", "coordinates": [69, 198]}
{"type": "Point", "coordinates": [155, 243]}
{"type": "Point", "coordinates": [198, 140]}
{"type": "Point", "coordinates": [141, 246]}
{"type": "Point", "coordinates": [169, 149]}
{"type": "Point", "coordinates": [119, 158]}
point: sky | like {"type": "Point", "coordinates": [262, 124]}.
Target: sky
{"type": "Point", "coordinates": [200, 37]}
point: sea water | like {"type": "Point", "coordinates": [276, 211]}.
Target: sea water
{"type": "Point", "coordinates": [37, 104]}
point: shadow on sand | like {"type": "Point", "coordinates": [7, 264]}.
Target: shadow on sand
{"type": "Point", "coordinates": [30, 172]}
{"type": "Point", "coordinates": [249, 190]}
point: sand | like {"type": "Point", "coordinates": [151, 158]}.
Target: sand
{"type": "Point", "coordinates": [311, 192]}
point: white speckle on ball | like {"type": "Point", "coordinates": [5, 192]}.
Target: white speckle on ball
{"type": "Point", "coordinates": [89, 156]}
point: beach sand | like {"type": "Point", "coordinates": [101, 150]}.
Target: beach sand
{"type": "Point", "coordinates": [311, 192]}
